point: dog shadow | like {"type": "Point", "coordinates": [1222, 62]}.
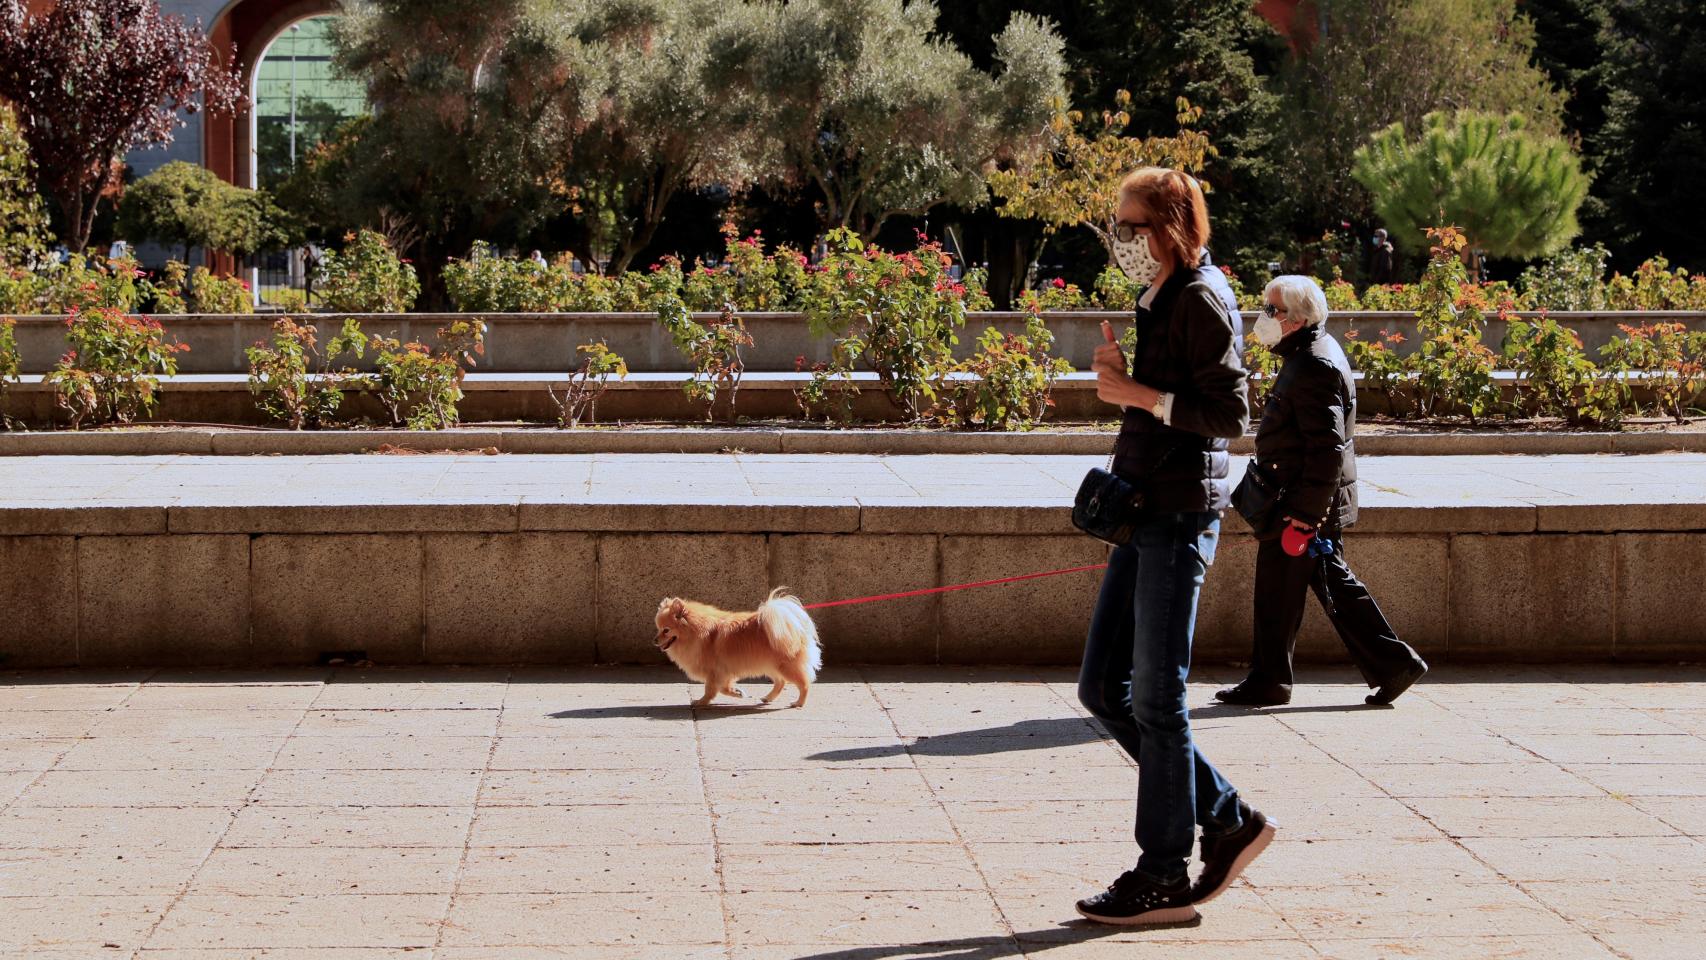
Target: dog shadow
{"type": "Point", "coordinates": [672, 712]}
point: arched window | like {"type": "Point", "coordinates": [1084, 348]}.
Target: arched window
{"type": "Point", "coordinates": [298, 101]}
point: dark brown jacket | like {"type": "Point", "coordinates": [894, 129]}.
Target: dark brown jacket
{"type": "Point", "coordinates": [1307, 434]}
{"type": "Point", "coordinates": [1188, 344]}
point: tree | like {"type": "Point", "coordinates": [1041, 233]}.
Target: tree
{"type": "Point", "coordinates": [1511, 192]}
{"type": "Point", "coordinates": [23, 218]}
{"type": "Point", "coordinates": [470, 118]}
{"type": "Point", "coordinates": [1649, 155]}
{"type": "Point", "coordinates": [188, 205]}
{"type": "Point", "coordinates": [94, 79]}
{"type": "Point", "coordinates": [661, 125]}
{"type": "Point", "coordinates": [1218, 54]}
{"type": "Point", "coordinates": [1367, 64]}
{"type": "Point", "coordinates": [1077, 183]}
{"type": "Point", "coordinates": [859, 103]}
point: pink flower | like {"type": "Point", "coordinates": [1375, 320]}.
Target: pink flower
{"type": "Point", "coordinates": [1059, 284]}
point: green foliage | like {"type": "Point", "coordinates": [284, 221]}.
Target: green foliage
{"type": "Point", "coordinates": [1671, 361]}
{"type": "Point", "coordinates": [1648, 155]}
{"type": "Point", "coordinates": [24, 233]}
{"type": "Point", "coordinates": [211, 293]}
{"type": "Point", "coordinates": [1005, 384]}
{"type": "Point", "coordinates": [899, 313]}
{"type": "Point", "coordinates": [1552, 370]}
{"type": "Point", "coordinates": [1655, 286]}
{"type": "Point", "coordinates": [1454, 369]}
{"type": "Point", "coordinates": [285, 386]}
{"type": "Point", "coordinates": [1375, 63]}
{"type": "Point", "coordinates": [1076, 183]}
{"type": "Point", "coordinates": [1263, 366]}
{"type": "Point", "coordinates": [1382, 367]}
{"type": "Point", "coordinates": [111, 373]}
{"type": "Point", "coordinates": [81, 283]}
{"type": "Point", "coordinates": [714, 351]}
{"type": "Point", "coordinates": [188, 205]}
{"type": "Point", "coordinates": [419, 386]}
{"type": "Point", "coordinates": [10, 365]}
{"type": "Point", "coordinates": [367, 276]}
{"type": "Point", "coordinates": [1512, 193]}
{"type": "Point", "coordinates": [587, 384]}
{"type": "Point", "coordinates": [1571, 280]}
{"type": "Point", "coordinates": [859, 103]}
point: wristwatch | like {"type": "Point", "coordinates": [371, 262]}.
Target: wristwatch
{"type": "Point", "coordinates": [1160, 407]}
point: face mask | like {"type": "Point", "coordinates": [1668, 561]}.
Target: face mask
{"type": "Point", "coordinates": [1267, 331]}
{"type": "Point", "coordinates": [1135, 260]}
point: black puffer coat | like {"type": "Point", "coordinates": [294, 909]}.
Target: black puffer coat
{"type": "Point", "coordinates": [1188, 344]}
{"type": "Point", "coordinates": [1307, 434]}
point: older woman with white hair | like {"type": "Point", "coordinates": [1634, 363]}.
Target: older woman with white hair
{"type": "Point", "coordinates": [1299, 494]}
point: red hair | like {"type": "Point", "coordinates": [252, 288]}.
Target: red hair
{"type": "Point", "coordinates": [1177, 210]}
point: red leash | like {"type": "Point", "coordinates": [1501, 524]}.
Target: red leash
{"type": "Point", "coordinates": [957, 586]}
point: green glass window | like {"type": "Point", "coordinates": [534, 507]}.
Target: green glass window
{"type": "Point", "coordinates": [297, 92]}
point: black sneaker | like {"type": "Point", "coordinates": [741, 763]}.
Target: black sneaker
{"type": "Point", "coordinates": [1251, 694]}
{"type": "Point", "coordinates": [1390, 690]}
{"type": "Point", "coordinates": [1135, 899]}
{"type": "Point", "coordinates": [1225, 857]}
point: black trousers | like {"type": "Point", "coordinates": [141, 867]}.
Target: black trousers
{"type": "Point", "coordinates": [1281, 584]}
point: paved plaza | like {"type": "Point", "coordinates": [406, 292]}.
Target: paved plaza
{"type": "Point", "coordinates": [187, 481]}
{"type": "Point", "coordinates": [950, 814]}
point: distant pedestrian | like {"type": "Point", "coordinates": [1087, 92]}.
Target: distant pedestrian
{"type": "Point", "coordinates": [1304, 477]}
{"type": "Point", "coordinates": [119, 250]}
{"type": "Point", "coordinates": [538, 259]}
{"type": "Point", "coordinates": [1382, 260]}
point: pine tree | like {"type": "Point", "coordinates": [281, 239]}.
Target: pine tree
{"type": "Point", "coordinates": [1511, 191]}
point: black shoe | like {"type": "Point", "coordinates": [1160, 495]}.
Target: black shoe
{"type": "Point", "coordinates": [1251, 694]}
{"type": "Point", "coordinates": [1225, 857]}
{"type": "Point", "coordinates": [1390, 690]}
{"type": "Point", "coordinates": [1135, 899]}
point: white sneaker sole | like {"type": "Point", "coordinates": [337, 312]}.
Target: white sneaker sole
{"type": "Point", "coordinates": [1244, 858]}
{"type": "Point", "coordinates": [1171, 915]}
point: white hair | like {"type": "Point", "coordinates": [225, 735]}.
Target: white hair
{"type": "Point", "coordinates": [1302, 296]}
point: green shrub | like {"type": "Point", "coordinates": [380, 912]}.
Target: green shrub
{"type": "Point", "coordinates": [1552, 370]}
{"type": "Point", "coordinates": [210, 293]}
{"type": "Point", "coordinates": [587, 384]}
{"type": "Point", "coordinates": [1572, 280]}
{"type": "Point", "coordinates": [111, 373]}
{"type": "Point", "coordinates": [1005, 384]}
{"type": "Point", "coordinates": [1671, 361]}
{"type": "Point", "coordinates": [366, 277]}
{"type": "Point", "coordinates": [714, 351]}
{"type": "Point", "coordinates": [10, 366]}
{"type": "Point", "coordinates": [282, 382]}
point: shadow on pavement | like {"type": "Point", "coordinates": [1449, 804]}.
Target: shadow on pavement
{"type": "Point", "coordinates": [1024, 735]}
{"type": "Point", "coordinates": [1025, 944]}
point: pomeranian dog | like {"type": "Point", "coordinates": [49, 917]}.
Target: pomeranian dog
{"type": "Point", "coordinates": [777, 641]}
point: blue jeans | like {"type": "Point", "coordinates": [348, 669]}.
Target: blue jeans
{"type": "Point", "coordinates": [1133, 681]}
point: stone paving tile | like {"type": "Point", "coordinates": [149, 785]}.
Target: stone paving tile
{"type": "Point", "coordinates": [364, 788]}
{"type": "Point", "coordinates": [629, 868]}
{"type": "Point", "coordinates": [223, 922]}
{"type": "Point", "coordinates": [941, 813]}
{"type": "Point", "coordinates": [140, 788]}
{"type": "Point", "coordinates": [28, 924]}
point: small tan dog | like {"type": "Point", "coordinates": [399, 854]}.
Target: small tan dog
{"type": "Point", "coordinates": [777, 641]}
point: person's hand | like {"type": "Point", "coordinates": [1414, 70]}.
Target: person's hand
{"type": "Point", "coordinates": [1109, 358]}
{"type": "Point", "coordinates": [1300, 526]}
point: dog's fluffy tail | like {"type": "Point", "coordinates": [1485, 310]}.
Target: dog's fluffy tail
{"type": "Point", "coordinates": [790, 628]}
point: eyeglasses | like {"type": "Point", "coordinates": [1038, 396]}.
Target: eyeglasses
{"type": "Point", "coordinates": [1269, 310]}
{"type": "Point", "coordinates": [1127, 232]}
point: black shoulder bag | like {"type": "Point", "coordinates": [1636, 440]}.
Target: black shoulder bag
{"type": "Point", "coordinates": [1107, 507]}
{"type": "Point", "coordinates": [1257, 499]}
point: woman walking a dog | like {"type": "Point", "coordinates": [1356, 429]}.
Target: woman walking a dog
{"type": "Point", "coordinates": [1184, 398]}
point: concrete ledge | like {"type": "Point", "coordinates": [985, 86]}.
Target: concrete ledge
{"type": "Point", "coordinates": [538, 560]}
{"type": "Point", "coordinates": [197, 441]}
{"type": "Point", "coordinates": [212, 399]}
{"type": "Point", "coordinates": [539, 342]}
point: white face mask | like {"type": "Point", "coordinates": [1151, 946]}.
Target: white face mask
{"type": "Point", "coordinates": [1134, 258]}
{"type": "Point", "coordinates": [1267, 330]}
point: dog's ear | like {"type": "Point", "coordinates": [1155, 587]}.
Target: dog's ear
{"type": "Point", "coordinates": [677, 607]}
